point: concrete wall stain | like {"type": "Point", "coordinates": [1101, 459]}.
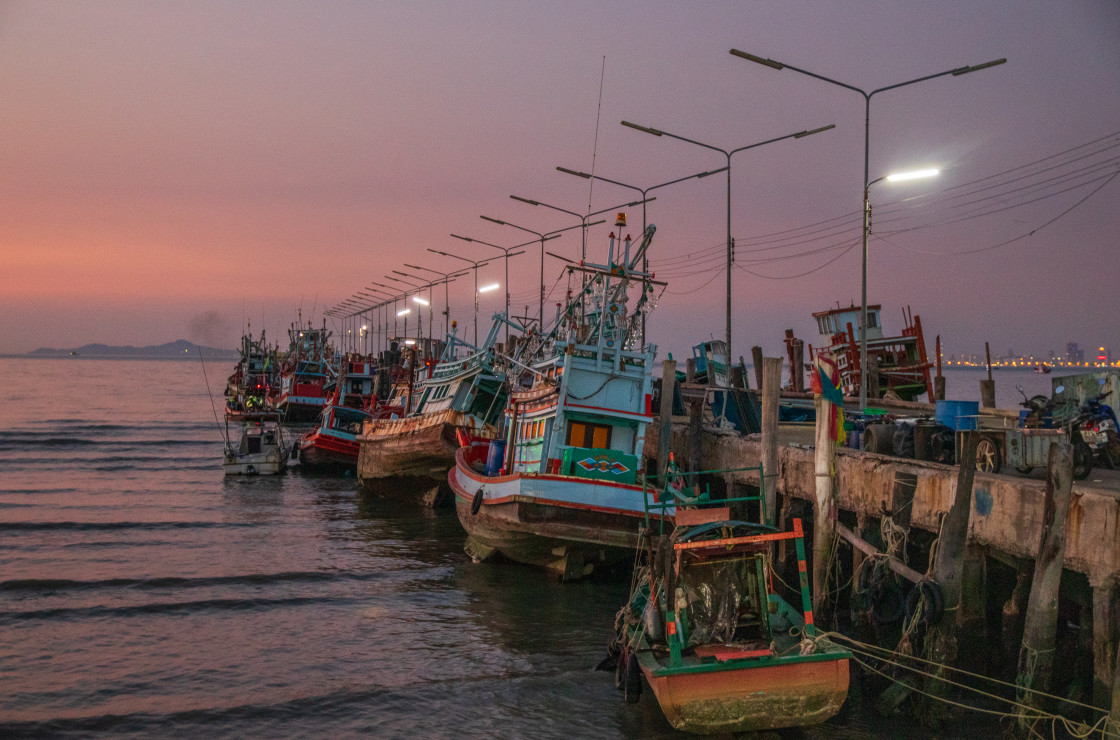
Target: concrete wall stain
{"type": "Point", "coordinates": [982, 501]}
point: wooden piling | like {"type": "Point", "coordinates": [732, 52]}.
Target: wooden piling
{"type": "Point", "coordinates": [988, 387]}
{"type": "Point", "coordinates": [771, 387]}
{"type": "Point", "coordinates": [738, 377]}
{"type": "Point", "coordinates": [939, 380]}
{"type": "Point", "coordinates": [824, 511]}
{"type": "Point", "coordinates": [873, 377]}
{"type": "Point", "coordinates": [1106, 639]}
{"type": "Point", "coordinates": [1036, 657]}
{"type": "Point", "coordinates": [948, 566]}
{"type": "Point", "coordinates": [756, 359]}
{"type": "Point", "coordinates": [695, 432]}
{"type": "Point", "coordinates": [798, 369]}
{"type": "Point", "coordinates": [690, 370]}
{"type": "Point", "coordinates": [665, 428]}
{"type": "Point", "coordinates": [1114, 715]}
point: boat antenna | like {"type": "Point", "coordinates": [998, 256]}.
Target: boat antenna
{"type": "Point", "coordinates": [595, 145]}
{"type": "Point", "coordinates": [225, 434]}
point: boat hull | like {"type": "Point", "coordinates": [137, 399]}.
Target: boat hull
{"type": "Point", "coordinates": [317, 449]}
{"type": "Point", "coordinates": [770, 695]}
{"type": "Point", "coordinates": [421, 448]}
{"type": "Point", "coordinates": [300, 410]}
{"type": "Point", "coordinates": [271, 464]}
{"type": "Point", "coordinates": [566, 524]}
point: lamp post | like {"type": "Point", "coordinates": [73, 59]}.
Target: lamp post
{"type": "Point", "coordinates": [645, 199]}
{"type": "Point", "coordinates": [957, 72]}
{"type": "Point", "coordinates": [417, 299]}
{"type": "Point", "coordinates": [543, 238]}
{"type": "Point", "coordinates": [447, 278]}
{"type": "Point", "coordinates": [583, 218]}
{"type": "Point", "coordinates": [728, 154]}
{"type": "Point", "coordinates": [419, 316]}
{"type": "Point", "coordinates": [507, 252]}
{"type": "Point", "coordinates": [477, 264]}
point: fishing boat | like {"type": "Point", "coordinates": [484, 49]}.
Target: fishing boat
{"type": "Point", "coordinates": [254, 381]}
{"type": "Point", "coordinates": [721, 651]}
{"type": "Point", "coordinates": [305, 375]}
{"type": "Point", "coordinates": [901, 364]}
{"type": "Point", "coordinates": [409, 452]}
{"type": "Point", "coordinates": [333, 443]}
{"type": "Point", "coordinates": [260, 448]}
{"type": "Point", "coordinates": [563, 489]}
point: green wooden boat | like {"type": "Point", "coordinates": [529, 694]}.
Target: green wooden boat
{"type": "Point", "coordinates": [720, 649]}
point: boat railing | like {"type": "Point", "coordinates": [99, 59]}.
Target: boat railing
{"type": "Point", "coordinates": [660, 493]}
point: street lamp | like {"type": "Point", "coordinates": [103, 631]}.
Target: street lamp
{"type": "Point", "coordinates": [447, 278]}
{"type": "Point", "coordinates": [645, 199]}
{"type": "Point", "coordinates": [583, 218]}
{"type": "Point", "coordinates": [419, 322]}
{"type": "Point", "coordinates": [727, 153]}
{"type": "Point", "coordinates": [866, 182]}
{"type": "Point", "coordinates": [543, 238]}
{"type": "Point", "coordinates": [477, 264]}
{"type": "Point", "coordinates": [507, 252]}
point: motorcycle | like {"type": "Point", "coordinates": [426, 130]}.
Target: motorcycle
{"type": "Point", "coordinates": [1099, 429]}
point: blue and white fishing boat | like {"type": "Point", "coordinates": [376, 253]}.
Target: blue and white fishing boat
{"type": "Point", "coordinates": [564, 488]}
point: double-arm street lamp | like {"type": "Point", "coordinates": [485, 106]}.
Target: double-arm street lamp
{"type": "Point", "coordinates": [728, 154]}
{"type": "Point", "coordinates": [645, 199]}
{"type": "Point", "coordinates": [542, 238]}
{"type": "Point", "coordinates": [583, 218]}
{"type": "Point", "coordinates": [476, 264]}
{"type": "Point", "coordinates": [447, 278]}
{"type": "Point", "coordinates": [508, 252]}
{"type": "Point", "coordinates": [957, 72]}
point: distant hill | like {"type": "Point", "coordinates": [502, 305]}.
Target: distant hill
{"type": "Point", "coordinates": [181, 349]}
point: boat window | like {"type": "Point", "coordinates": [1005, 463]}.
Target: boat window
{"type": "Point", "coordinates": [581, 434]}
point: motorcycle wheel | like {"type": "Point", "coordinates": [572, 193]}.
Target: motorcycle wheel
{"type": "Point", "coordinates": [988, 459]}
{"type": "Point", "coordinates": [1082, 460]}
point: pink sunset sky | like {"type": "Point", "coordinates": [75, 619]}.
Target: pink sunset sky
{"type": "Point", "coordinates": [177, 170]}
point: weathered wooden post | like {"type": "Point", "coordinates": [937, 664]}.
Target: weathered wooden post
{"type": "Point", "coordinates": [695, 430]}
{"type": "Point", "coordinates": [798, 369]}
{"type": "Point", "coordinates": [756, 359]}
{"type": "Point", "coordinates": [665, 427]}
{"type": "Point", "coordinates": [1106, 637]}
{"type": "Point", "coordinates": [939, 380]}
{"type": "Point", "coordinates": [824, 508]}
{"type": "Point", "coordinates": [690, 370]}
{"type": "Point", "coordinates": [948, 567]}
{"type": "Point", "coordinates": [738, 377]}
{"type": "Point", "coordinates": [873, 377]}
{"type": "Point", "coordinates": [1036, 657]}
{"type": "Point", "coordinates": [988, 387]}
{"type": "Point", "coordinates": [1114, 715]}
{"type": "Point", "coordinates": [771, 384]}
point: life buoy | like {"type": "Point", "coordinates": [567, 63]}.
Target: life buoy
{"type": "Point", "coordinates": [476, 502]}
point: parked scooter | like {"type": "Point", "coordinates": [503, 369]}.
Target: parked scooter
{"type": "Point", "coordinates": [1099, 429]}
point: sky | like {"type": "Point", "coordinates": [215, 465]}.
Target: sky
{"type": "Point", "coordinates": [186, 170]}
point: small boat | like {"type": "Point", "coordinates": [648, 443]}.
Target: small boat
{"type": "Point", "coordinates": [260, 449]}
{"type": "Point", "coordinates": [1042, 368]}
{"type": "Point", "coordinates": [901, 362]}
{"type": "Point", "coordinates": [564, 490]}
{"type": "Point", "coordinates": [333, 443]}
{"type": "Point", "coordinates": [722, 652]}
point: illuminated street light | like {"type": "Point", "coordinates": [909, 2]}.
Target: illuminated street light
{"type": "Point", "coordinates": [957, 72]}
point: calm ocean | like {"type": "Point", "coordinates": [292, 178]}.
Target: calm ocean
{"type": "Point", "coordinates": [144, 595]}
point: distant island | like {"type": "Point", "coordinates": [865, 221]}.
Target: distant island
{"type": "Point", "coordinates": [181, 349]}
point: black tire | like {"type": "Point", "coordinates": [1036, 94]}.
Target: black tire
{"type": "Point", "coordinates": [1082, 460]}
{"type": "Point", "coordinates": [632, 680]}
{"type": "Point", "coordinates": [929, 594]}
{"type": "Point", "coordinates": [889, 604]}
{"type": "Point", "coordinates": [1024, 469]}
{"type": "Point", "coordinates": [941, 445]}
{"type": "Point", "coordinates": [476, 502]}
{"type": "Point", "coordinates": [988, 457]}
{"type": "Point", "coordinates": [902, 441]}
{"type": "Point", "coordinates": [620, 667]}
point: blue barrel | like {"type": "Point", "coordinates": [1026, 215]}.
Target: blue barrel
{"type": "Point", "coordinates": [957, 415]}
{"type": "Point", "coordinates": [496, 456]}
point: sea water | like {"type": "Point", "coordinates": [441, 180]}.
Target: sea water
{"type": "Point", "coordinates": [144, 594]}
